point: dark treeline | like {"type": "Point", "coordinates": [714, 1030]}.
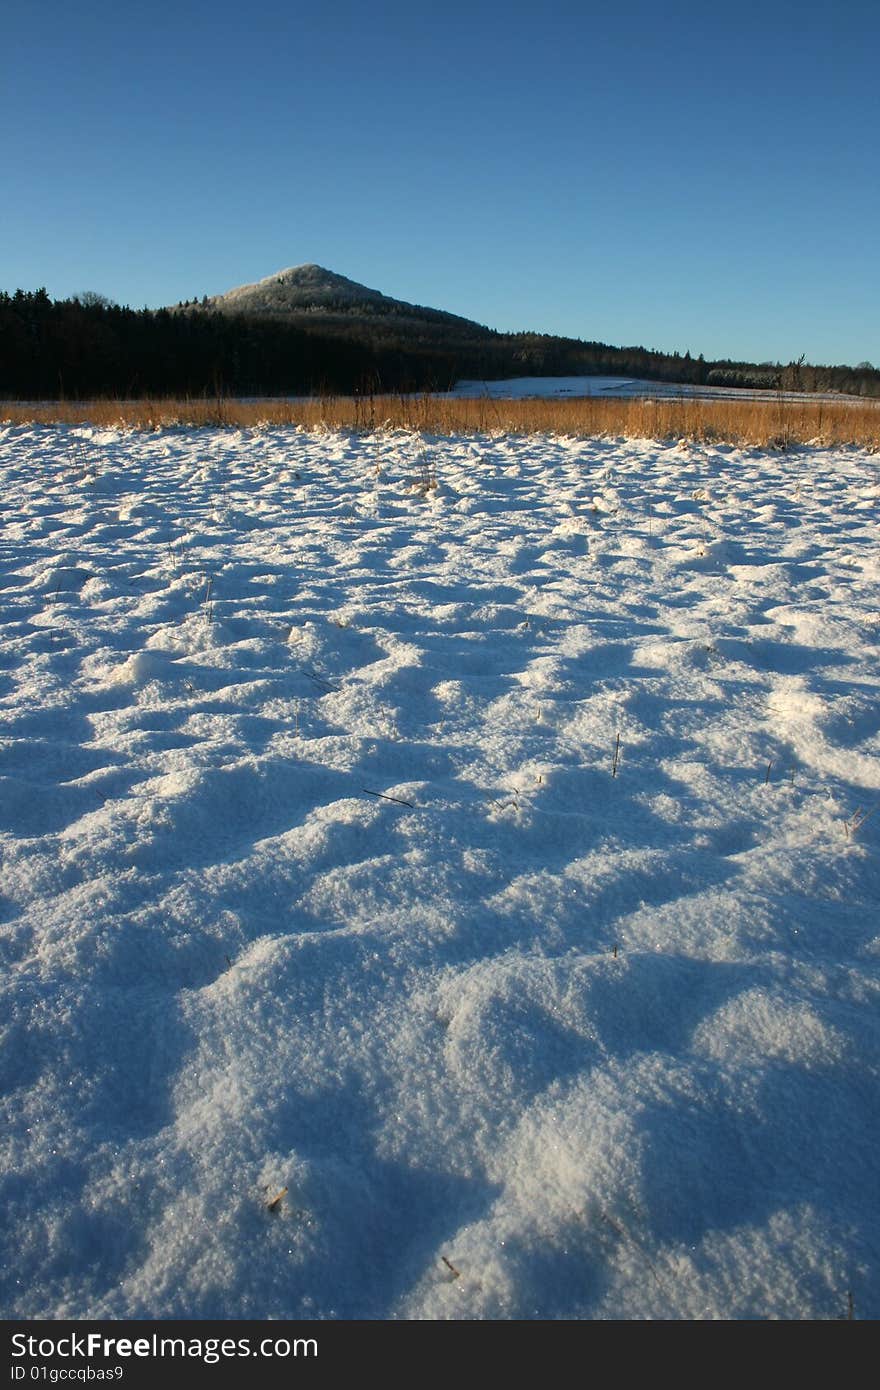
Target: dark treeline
{"type": "Point", "coordinates": [83, 348]}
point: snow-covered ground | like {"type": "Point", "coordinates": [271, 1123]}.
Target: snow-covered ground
{"type": "Point", "coordinates": [351, 968]}
{"type": "Point", "coordinates": [626, 387]}
{"type": "Point", "coordinates": [556, 386]}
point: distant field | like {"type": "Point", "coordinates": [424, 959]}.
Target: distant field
{"type": "Point", "coordinates": [629, 388]}
{"type": "Point", "coordinates": [777, 421]}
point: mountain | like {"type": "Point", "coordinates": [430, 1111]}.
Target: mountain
{"type": "Point", "coordinates": [321, 297]}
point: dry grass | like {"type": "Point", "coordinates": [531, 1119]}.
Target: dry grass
{"type": "Point", "coordinates": [769, 423]}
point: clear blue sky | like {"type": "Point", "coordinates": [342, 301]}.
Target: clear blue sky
{"type": "Point", "coordinates": [677, 174]}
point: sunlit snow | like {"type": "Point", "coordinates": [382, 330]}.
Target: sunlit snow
{"type": "Point", "coordinates": [471, 840]}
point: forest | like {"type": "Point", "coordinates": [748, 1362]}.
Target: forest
{"type": "Point", "coordinates": [87, 347]}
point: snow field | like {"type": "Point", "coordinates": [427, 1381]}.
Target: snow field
{"type": "Point", "coordinates": [318, 876]}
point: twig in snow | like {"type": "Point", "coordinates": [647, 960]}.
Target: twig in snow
{"type": "Point", "coordinates": [275, 1201]}
{"type": "Point", "coordinates": [208, 601]}
{"type": "Point", "coordinates": [366, 791]}
{"type": "Point", "coordinates": [627, 1235]}
{"type": "Point", "coordinates": [456, 1273]}
{"type": "Point", "coordinates": [616, 759]}
{"type": "Point", "coordinates": [319, 680]}
{"type": "Point", "coordinates": [857, 820]}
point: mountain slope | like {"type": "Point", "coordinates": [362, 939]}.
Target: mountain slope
{"type": "Point", "coordinates": [322, 294]}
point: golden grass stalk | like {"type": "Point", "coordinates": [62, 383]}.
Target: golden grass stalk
{"type": "Point", "coordinates": [763, 423]}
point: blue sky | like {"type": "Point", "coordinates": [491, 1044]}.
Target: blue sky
{"type": "Point", "coordinates": [676, 174]}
